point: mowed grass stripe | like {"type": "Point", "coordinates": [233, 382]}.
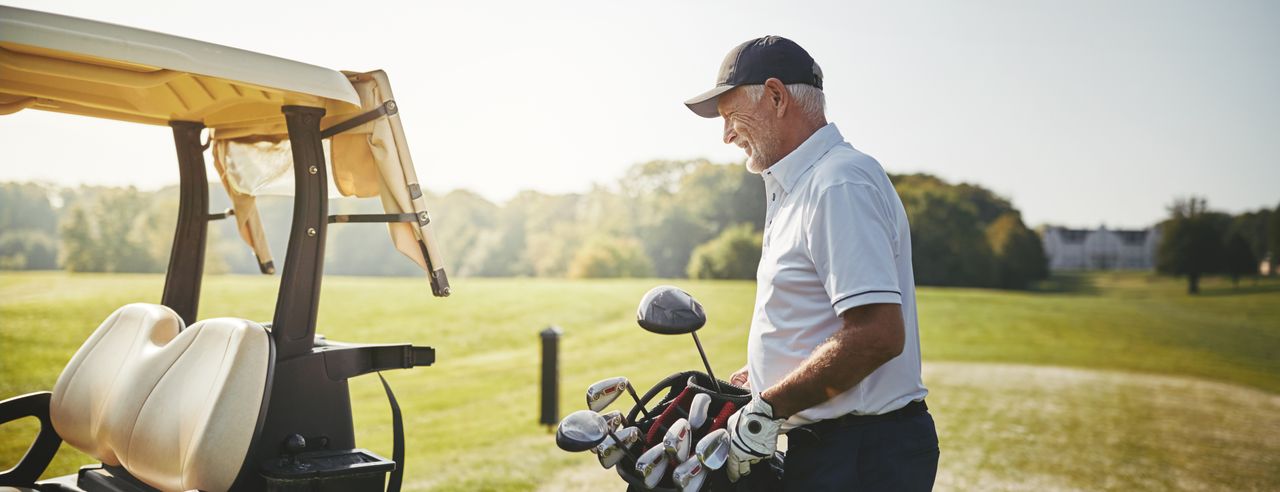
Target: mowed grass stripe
{"type": "Point", "coordinates": [471, 418]}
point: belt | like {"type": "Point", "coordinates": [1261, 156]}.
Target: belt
{"type": "Point", "coordinates": [849, 419]}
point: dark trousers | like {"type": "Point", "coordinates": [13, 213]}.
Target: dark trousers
{"type": "Point", "coordinates": [898, 454]}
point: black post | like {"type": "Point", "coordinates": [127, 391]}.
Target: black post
{"type": "Point", "coordinates": [304, 399]}
{"type": "Point", "coordinates": [294, 325]}
{"type": "Point", "coordinates": [550, 375]}
{"type": "Point", "coordinates": [186, 257]}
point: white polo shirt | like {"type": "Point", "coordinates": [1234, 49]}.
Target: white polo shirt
{"type": "Point", "coordinates": [835, 237]}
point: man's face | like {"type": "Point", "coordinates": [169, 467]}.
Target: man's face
{"type": "Point", "coordinates": [751, 126]}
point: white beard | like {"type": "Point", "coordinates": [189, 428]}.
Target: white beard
{"type": "Point", "coordinates": [759, 160]}
{"type": "Point", "coordinates": [755, 165]}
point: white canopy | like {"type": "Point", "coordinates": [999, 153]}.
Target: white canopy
{"type": "Point", "coordinates": [72, 65]}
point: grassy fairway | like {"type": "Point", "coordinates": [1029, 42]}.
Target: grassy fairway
{"type": "Point", "coordinates": [1165, 391]}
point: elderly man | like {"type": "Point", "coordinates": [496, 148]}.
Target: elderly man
{"type": "Point", "coordinates": [833, 357]}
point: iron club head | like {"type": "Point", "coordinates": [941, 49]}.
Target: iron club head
{"type": "Point", "coordinates": [676, 441]}
{"type": "Point", "coordinates": [689, 475]}
{"type": "Point", "coordinates": [713, 449]}
{"type": "Point", "coordinates": [611, 451]}
{"type": "Point", "coordinates": [605, 392]}
{"type": "Point", "coordinates": [614, 420]}
{"type": "Point", "coordinates": [652, 465]}
{"type": "Point", "coordinates": [698, 410]}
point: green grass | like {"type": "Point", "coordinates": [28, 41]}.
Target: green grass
{"type": "Point", "coordinates": [1170, 391]}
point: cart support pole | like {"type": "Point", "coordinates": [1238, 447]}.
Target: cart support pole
{"type": "Point", "coordinates": [186, 258]}
{"type": "Point", "coordinates": [294, 325]}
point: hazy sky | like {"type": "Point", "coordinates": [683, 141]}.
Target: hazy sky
{"type": "Point", "coordinates": [1081, 112]}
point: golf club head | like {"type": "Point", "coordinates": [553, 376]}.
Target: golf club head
{"type": "Point", "coordinates": [713, 449]}
{"type": "Point", "coordinates": [668, 310]}
{"type": "Point", "coordinates": [698, 410]}
{"type": "Point", "coordinates": [614, 420]}
{"type": "Point", "coordinates": [580, 431]}
{"type": "Point", "coordinates": [652, 465]}
{"type": "Point", "coordinates": [611, 452]}
{"type": "Point", "coordinates": [676, 441]}
{"type": "Point", "coordinates": [689, 475]}
{"type": "Point", "coordinates": [603, 393]}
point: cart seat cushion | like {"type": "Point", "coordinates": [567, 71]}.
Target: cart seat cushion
{"type": "Point", "coordinates": [181, 408]}
{"type": "Point", "coordinates": [85, 390]}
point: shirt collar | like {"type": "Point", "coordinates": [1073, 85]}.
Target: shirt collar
{"type": "Point", "coordinates": [789, 169]}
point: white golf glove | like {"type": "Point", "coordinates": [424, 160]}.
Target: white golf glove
{"type": "Point", "coordinates": [753, 436]}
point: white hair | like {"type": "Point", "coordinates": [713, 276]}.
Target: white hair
{"type": "Point", "coordinates": [811, 101]}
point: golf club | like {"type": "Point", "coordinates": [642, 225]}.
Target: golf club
{"type": "Point", "coordinates": [667, 310]}
{"type": "Point", "coordinates": [614, 420]}
{"type": "Point", "coordinates": [689, 475]}
{"type": "Point", "coordinates": [580, 431]}
{"type": "Point", "coordinates": [713, 449]}
{"type": "Point", "coordinates": [652, 465]}
{"type": "Point", "coordinates": [583, 430]}
{"type": "Point", "coordinates": [608, 450]}
{"type": "Point", "coordinates": [676, 441]}
{"type": "Point", "coordinates": [606, 391]}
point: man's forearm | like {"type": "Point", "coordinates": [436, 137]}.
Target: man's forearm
{"type": "Point", "coordinates": [871, 336]}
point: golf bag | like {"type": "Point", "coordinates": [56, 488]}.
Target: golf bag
{"type": "Point", "coordinates": [677, 392]}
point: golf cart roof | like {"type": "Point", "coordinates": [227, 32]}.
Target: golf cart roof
{"type": "Point", "coordinates": [88, 68]}
{"type": "Point", "coordinates": [66, 64]}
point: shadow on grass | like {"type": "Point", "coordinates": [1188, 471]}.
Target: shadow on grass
{"type": "Point", "coordinates": [1245, 288]}
{"type": "Point", "coordinates": [1067, 283]}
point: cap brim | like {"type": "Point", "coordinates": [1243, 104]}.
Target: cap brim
{"type": "Point", "coordinates": [704, 104]}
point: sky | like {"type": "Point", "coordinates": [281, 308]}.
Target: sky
{"type": "Point", "coordinates": [1083, 113]}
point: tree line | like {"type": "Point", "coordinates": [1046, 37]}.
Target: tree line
{"type": "Point", "coordinates": [1198, 241]}
{"type": "Point", "coordinates": [669, 219]}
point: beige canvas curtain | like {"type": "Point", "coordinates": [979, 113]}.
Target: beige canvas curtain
{"type": "Point", "coordinates": [366, 161]}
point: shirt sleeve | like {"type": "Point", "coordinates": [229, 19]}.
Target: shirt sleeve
{"type": "Point", "coordinates": [852, 242]}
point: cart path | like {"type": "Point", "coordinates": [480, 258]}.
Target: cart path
{"type": "Point", "coordinates": [1023, 427]}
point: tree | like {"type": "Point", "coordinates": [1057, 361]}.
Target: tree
{"type": "Point", "coordinates": [663, 215]}
{"type": "Point", "coordinates": [1239, 259]}
{"type": "Point", "coordinates": [77, 238]}
{"type": "Point", "coordinates": [1273, 241]}
{"type": "Point", "coordinates": [963, 234]}
{"type": "Point", "coordinates": [28, 227]}
{"type": "Point", "coordinates": [605, 256]}
{"type": "Point", "coordinates": [1019, 252]}
{"type": "Point", "coordinates": [721, 196]}
{"type": "Point", "coordinates": [116, 230]}
{"type": "Point", "coordinates": [1191, 243]}
{"type": "Point", "coordinates": [26, 206]}
{"type": "Point", "coordinates": [949, 243]}
{"type": "Point", "coordinates": [734, 254]}
{"type": "Point", "coordinates": [466, 224]}
{"type": "Point", "coordinates": [27, 250]}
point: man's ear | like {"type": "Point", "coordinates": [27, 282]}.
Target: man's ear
{"type": "Point", "coordinates": [775, 92]}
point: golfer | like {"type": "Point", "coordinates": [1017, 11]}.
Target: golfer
{"type": "Point", "coordinates": [833, 357]}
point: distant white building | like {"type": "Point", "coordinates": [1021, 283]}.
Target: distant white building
{"type": "Point", "coordinates": [1101, 248]}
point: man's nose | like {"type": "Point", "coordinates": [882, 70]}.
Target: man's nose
{"type": "Point", "coordinates": [729, 135]}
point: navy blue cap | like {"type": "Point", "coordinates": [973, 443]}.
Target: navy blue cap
{"type": "Point", "coordinates": [752, 63]}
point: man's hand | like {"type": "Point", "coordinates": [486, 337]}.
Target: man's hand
{"type": "Point", "coordinates": [741, 378]}
{"type": "Point", "coordinates": [753, 436]}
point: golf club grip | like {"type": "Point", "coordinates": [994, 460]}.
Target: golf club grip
{"type": "Point", "coordinates": [666, 384]}
{"type": "Point", "coordinates": [667, 417]}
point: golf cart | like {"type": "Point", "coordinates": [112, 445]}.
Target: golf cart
{"type": "Point", "coordinates": [163, 399]}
